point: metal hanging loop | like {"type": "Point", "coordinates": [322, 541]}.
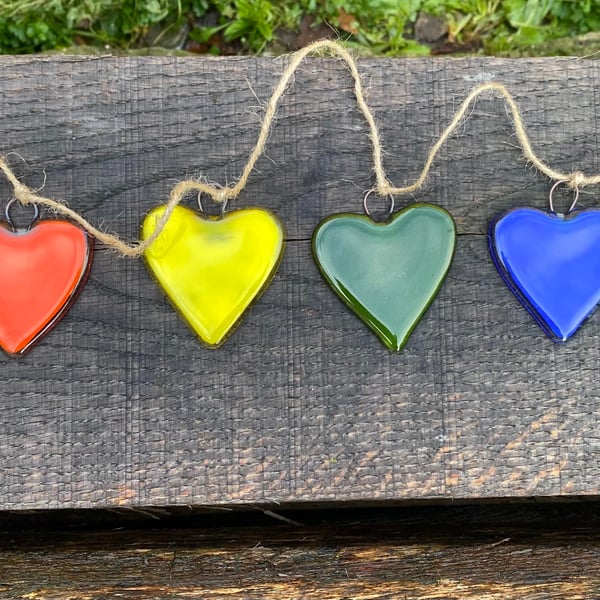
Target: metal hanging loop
{"type": "Point", "coordinates": [575, 198]}
{"type": "Point", "coordinates": [389, 212]}
{"type": "Point", "coordinates": [8, 218]}
{"type": "Point", "coordinates": [223, 206]}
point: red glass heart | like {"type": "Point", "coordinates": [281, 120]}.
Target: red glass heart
{"type": "Point", "coordinates": [41, 271]}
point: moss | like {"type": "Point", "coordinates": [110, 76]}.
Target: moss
{"type": "Point", "coordinates": [374, 27]}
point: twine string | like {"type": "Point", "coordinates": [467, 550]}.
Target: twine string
{"type": "Point", "coordinates": [575, 179]}
{"type": "Point", "coordinates": [383, 186]}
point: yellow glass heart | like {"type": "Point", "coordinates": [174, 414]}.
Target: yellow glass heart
{"type": "Point", "coordinates": [212, 268]}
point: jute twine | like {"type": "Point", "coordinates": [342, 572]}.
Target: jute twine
{"type": "Point", "coordinates": [383, 186]}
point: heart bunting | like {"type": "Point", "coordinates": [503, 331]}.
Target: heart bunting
{"type": "Point", "coordinates": [387, 273]}
{"type": "Point", "coordinates": [551, 263]}
{"type": "Point", "coordinates": [211, 269]}
{"type": "Point", "coordinates": [42, 269]}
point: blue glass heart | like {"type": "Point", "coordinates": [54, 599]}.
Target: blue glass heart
{"type": "Point", "coordinates": [551, 263]}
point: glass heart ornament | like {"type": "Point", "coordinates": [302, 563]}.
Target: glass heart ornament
{"type": "Point", "coordinates": [387, 272]}
{"type": "Point", "coordinates": [42, 270]}
{"type": "Point", "coordinates": [551, 263]}
{"type": "Point", "coordinates": [212, 268]}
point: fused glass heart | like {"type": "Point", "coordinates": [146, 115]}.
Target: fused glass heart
{"type": "Point", "coordinates": [551, 263]}
{"type": "Point", "coordinates": [212, 268]}
{"type": "Point", "coordinates": [387, 273]}
{"type": "Point", "coordinates": [41, 271]}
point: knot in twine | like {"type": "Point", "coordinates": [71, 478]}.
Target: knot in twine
{"type": "Point", "coordinates": [221, 194]}
{"type": "Point", "coordinates": [576, 180]}
{"type": "Point", "coordinates": [22, 193]}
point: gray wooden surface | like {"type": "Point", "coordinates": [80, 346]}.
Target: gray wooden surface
{"type": "Point", "coordinates": [121, 405]}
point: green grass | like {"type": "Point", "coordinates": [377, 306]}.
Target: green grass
{"type": "Point", "coordinates": [377, 27]}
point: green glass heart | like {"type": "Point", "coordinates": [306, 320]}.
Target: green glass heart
{"type": "Point", "coordinates": [387, 273]}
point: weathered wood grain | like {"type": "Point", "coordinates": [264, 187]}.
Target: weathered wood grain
{"type": "Point", "coordinates": [121, 405]}
{"type": "Point", "coordinates": [473, 553]}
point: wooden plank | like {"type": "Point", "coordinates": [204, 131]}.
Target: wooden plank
{"type": "Point", "coordinates": [121, 405]}
{"type": "Point", "coordinates": [495, 553]}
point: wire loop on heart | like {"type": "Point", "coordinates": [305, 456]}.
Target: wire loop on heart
{"type": "Point", "coordinates": [222, 205]}
{"type": "Point", "coordinates": [390, 210]}
{"type": "Point", "coordinates": [575, 196]}
{"type": "Point", "coordinates": [8, 218]}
